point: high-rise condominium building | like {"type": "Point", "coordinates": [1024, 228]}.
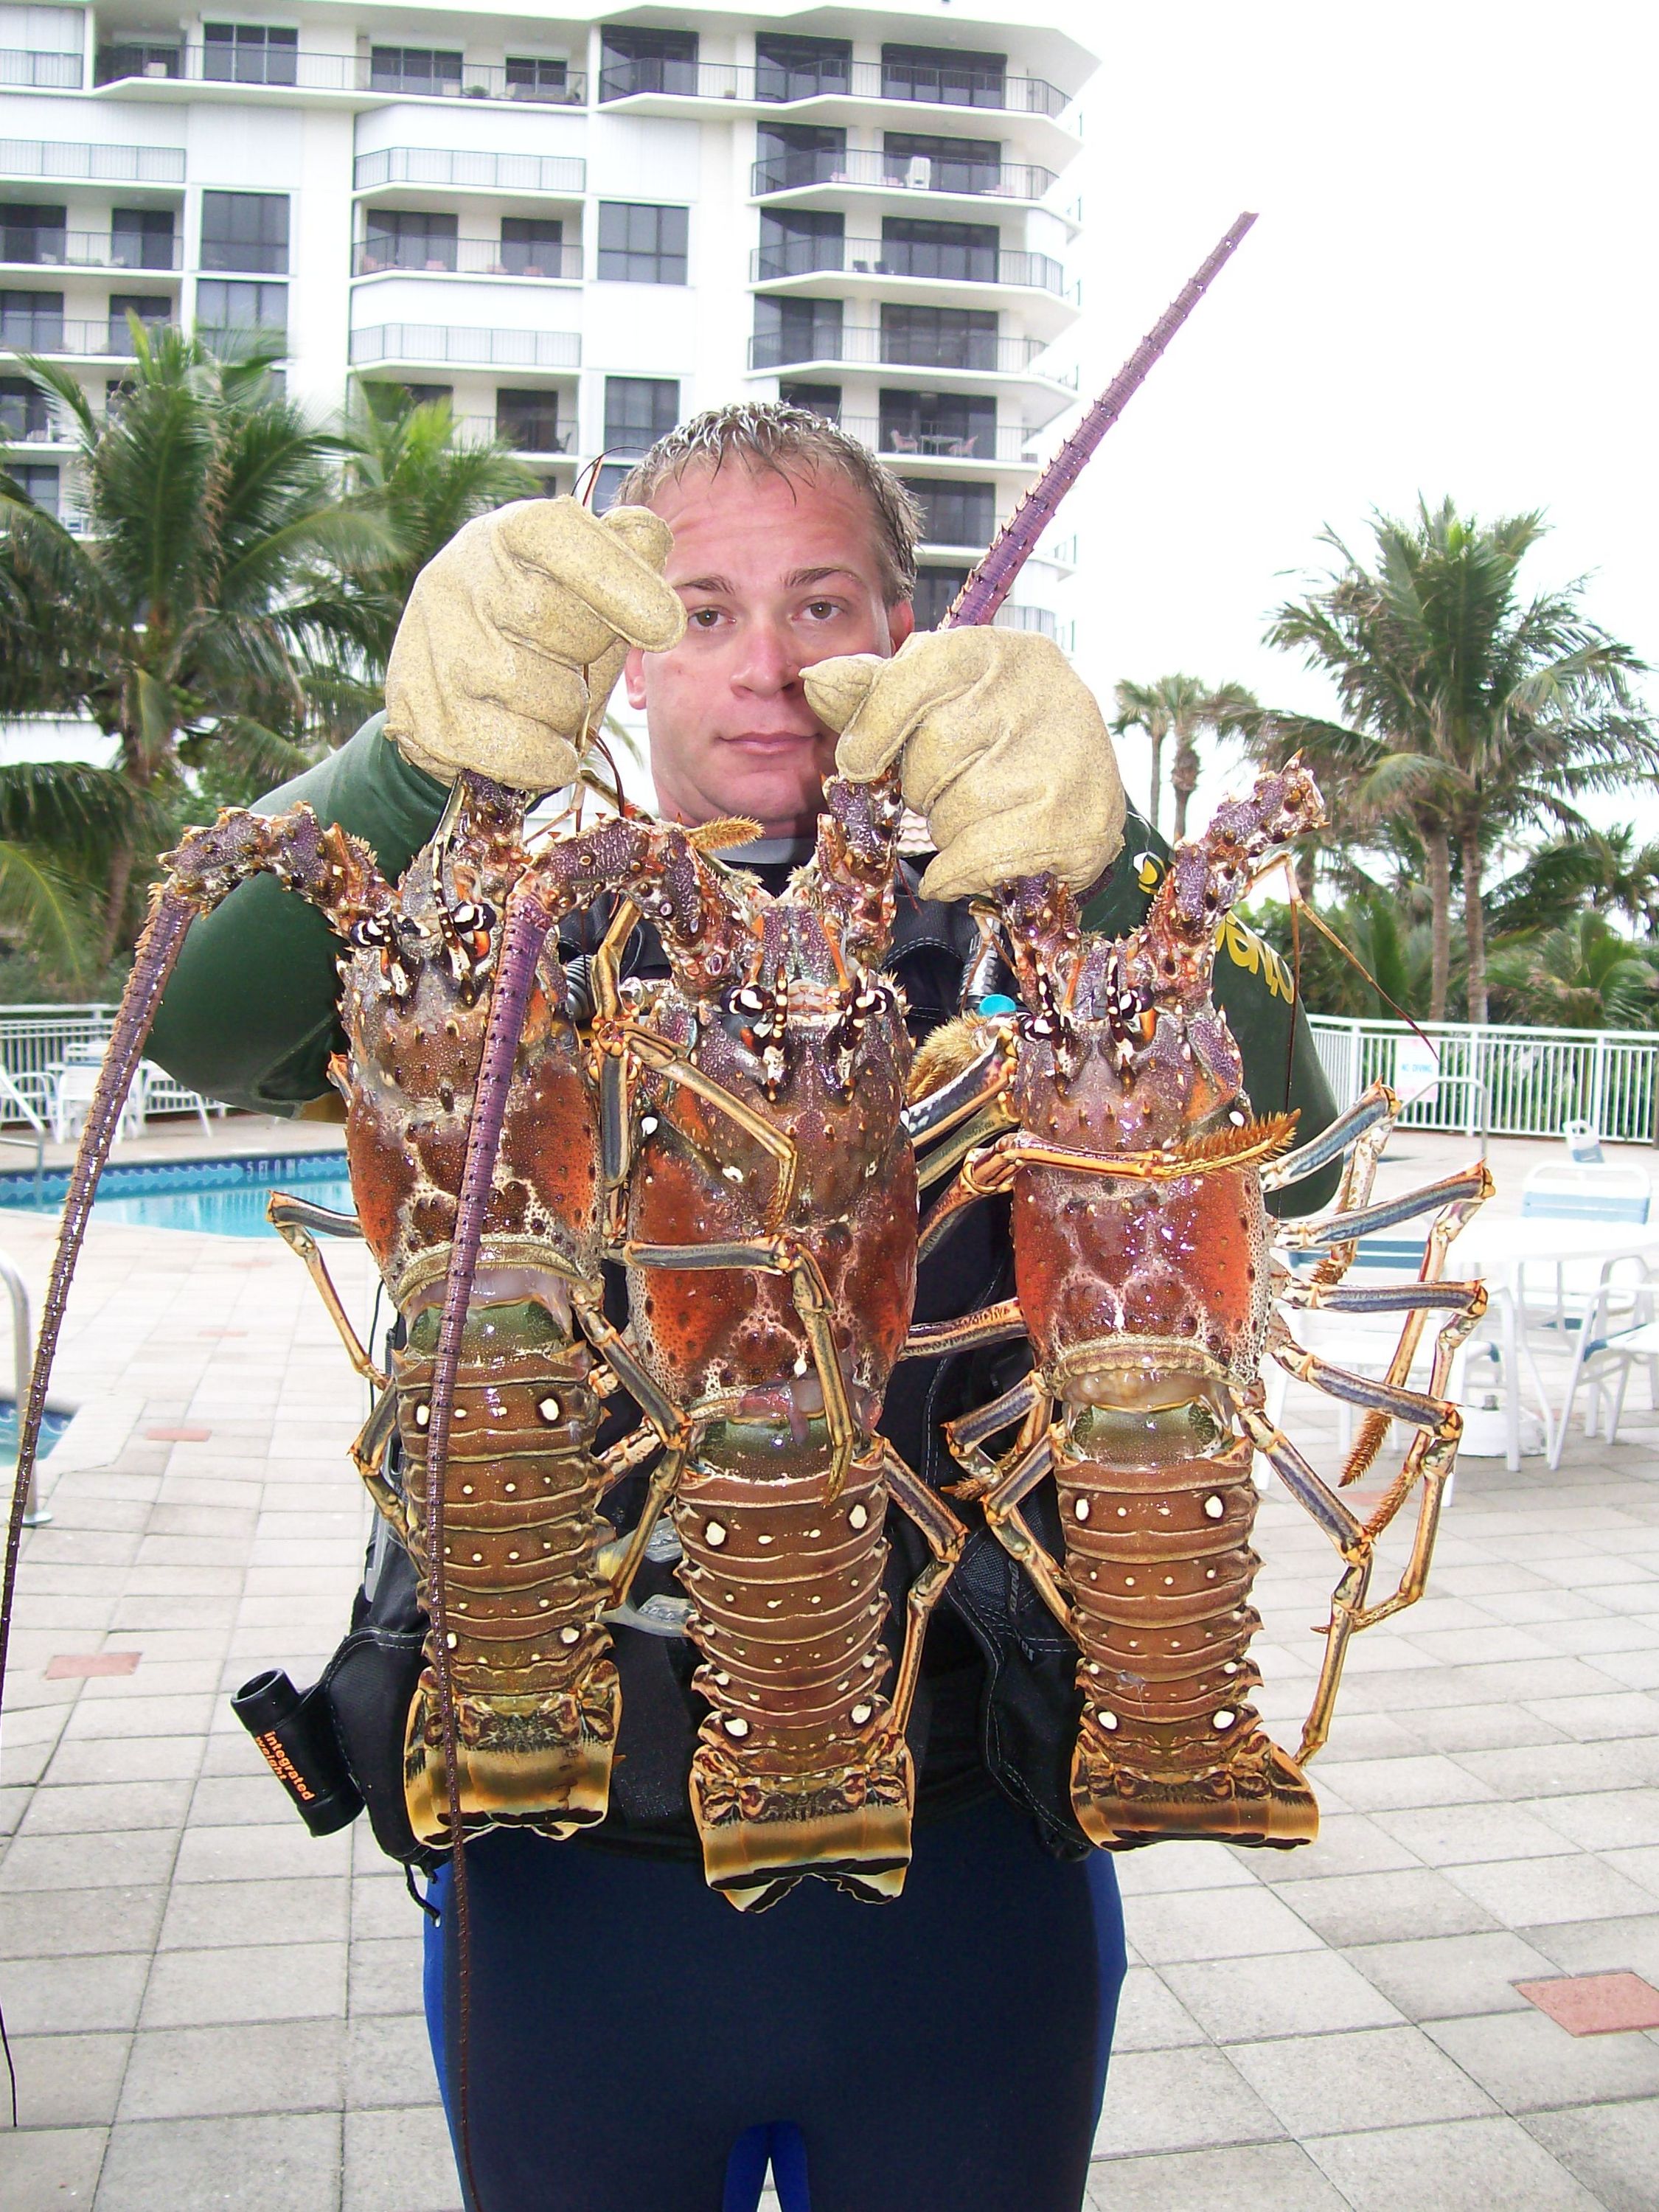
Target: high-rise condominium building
{"type": "Point", "coordinates": [578, 230]}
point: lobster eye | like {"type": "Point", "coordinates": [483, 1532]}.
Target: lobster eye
{"type": "Point", "coordinates": [466, 917]}
{"type": "Point", "coordinates": [370, 933]}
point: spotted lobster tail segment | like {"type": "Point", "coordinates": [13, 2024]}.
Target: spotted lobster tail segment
{"type": "Point", "coordinates": [328, 869]}
{"type": "Point", "coordinates": [1169, 1744]}
{"type": "Point", "coordinates": [536, 1700]}
{"type": "Point", "coordinates": [799, 1770]}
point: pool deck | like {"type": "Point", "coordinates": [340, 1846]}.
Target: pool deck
{"type": "Point", "coordinates": [209, 2008]}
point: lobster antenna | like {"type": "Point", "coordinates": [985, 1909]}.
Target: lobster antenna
{"type": "Point", "coordinates": [1014, 543]}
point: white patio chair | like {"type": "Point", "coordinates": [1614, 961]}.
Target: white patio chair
{"type": "Point", "coordinates": [160, 1093]}
{"type": "Point", "coordinates": [1618, 1332]}
{"type": "Point", "coordinates": [73, 1089]}
{"type": "Point", "coordinates": [1582, 1143]}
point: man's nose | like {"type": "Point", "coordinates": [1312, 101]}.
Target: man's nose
{"type": "Point", "coordinates": [769, 662]}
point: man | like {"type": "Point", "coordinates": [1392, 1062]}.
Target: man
{"type": "Point", "coordinates": [629, 2028]}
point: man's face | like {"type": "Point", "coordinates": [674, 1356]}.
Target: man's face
{"type": "Point", "coordinates": [775, 573]}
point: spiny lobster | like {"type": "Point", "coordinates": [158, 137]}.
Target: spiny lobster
{"type": "Point", "coordinates": [762, 1195]}
{"type": "Point", "coordinates": [1146, 1281]}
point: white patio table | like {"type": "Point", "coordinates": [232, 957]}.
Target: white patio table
{"type": "Point", "coordinates": [1500, 1253]}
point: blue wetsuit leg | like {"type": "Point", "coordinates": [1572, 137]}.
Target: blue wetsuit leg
{"type": "Point", "coordinates": [946, 2053]}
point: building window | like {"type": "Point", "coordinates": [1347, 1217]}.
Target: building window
{"type": "Point", "coordinates": [32, 234]}
{"type": "Point", "coordinates": [427, 395]}
{"type": "Point", "coordinates": [39, 480]}
{"type": "Point", "coordinates": [405, 238]}
{"type": "Point", "coordinates": [794, 245]}
{"type": "Point", "coordinates": [24, 413]}
{"type": "Point", "coordinates": [791, 155]}
{"type": "Point", "coordinates": [532, 246]}
{"type": "Point", "coordinates": [642, 244]}
{"type": "Point", "coordinates": [966, 252]}
{"type": "Point", "coordinates": [954, 514]}
{"type": "Point", "coordinates": [607, 485]}
{"type": "Point", "coordinates": [945, 75]}
{"type": "Point", "coordinates": [142, 238]}
{"type": "Point", "coordinates": [529, 420]}
{"type": "Point", "coordinates": [800, 69]}
{"type": "Point", "coordinates": [638, 410]}
{"type": "Point", "coordinates": [944, 422]}
{"type": "Point", "coordinates": [33, 321]}
{"type": "Point", "coordinates": [823, 399]}
{"type": "Point", "coordinates": [645, 61]}
{"type": "Point", "coordinates": [151, 312]}
{"type": "Point", "coordinates": [249, 53]}
{"type": "Point", "coordinates": [418, 70]}
{"type": "Point", "coordinates": [531, 77]}
{"type": "Point", "coordinates": [796, 330]}
{"type": "Point", "coordinates": [941, 165]}
{"type": "Point", "coordinates": [240, 317]}
{"type": "Point", "coordinates": [138, 57]}
{"type": "Point", "coordinates": [935, 589]}
{"type": "Point", "coordinates": [939, 337]}
{"type": "Point", "coordinates": [247, 232]}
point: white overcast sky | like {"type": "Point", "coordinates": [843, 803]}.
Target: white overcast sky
{"type": "Point", "coordinates": [1450, 289]}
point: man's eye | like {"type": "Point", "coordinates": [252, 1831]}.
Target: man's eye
{"type": "Point", "coordinates": [824, 610]}
{"type": "Point", "coordinates": [704, 618]}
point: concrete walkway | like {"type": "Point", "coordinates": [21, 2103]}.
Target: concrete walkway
{"type": "Point", "coordinates": [209, 2008]}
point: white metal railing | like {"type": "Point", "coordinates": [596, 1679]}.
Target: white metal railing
{"type": "Point", "coordinates": [36, 1040]}
{"type": "Point", "coordinates": [1523, 1082]}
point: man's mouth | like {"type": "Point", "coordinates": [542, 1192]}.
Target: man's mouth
{"type": "Point", "coordinates": [772, 741]}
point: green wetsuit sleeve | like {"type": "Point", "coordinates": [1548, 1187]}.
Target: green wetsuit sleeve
{"type": "Point", "coordinates": [250, 1015]}
{"type": "Point", "coordinates": [1255, 989]}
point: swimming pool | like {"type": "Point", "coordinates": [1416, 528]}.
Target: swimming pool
{"type": "Point", "coordinates": [223, 1197]}
{"type": "Point", "coordinates": [52, 1426]}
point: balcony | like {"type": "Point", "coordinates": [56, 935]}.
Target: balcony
{"type": "Point", "coordinates": [968, 353]}
{"type": "Point", "coordinates": [1005, 445]}
{"type": "Point", "coordinates": [24, 70]}
{"type": "Point", "coordinates": [540, 436]}
{"type": "Point", "coordinates": [66, 338]}
{"type": "Point", "coordinates": [663, 82]}
{"type": "Point", "coordinates": [88, 249]}
{"type": "Point", "coordinates": [241, 69]}
{"type": "Point", "coordinates": [448, 345]}
{"type": "Point", "coordinates": [453, 168]}
{"type": "Point", "coordinates": [468, 257]}
{"type": "Point", "coordinates": [32, 421]}
{"type": "Point", "coordinates": [113, 165]}
{"type": "Point", "coordinates": [785, 258]}
{"type": "Point", "coordinates": [868, 170]}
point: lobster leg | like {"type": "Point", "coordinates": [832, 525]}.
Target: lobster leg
{"type": "Point", "coordinates": [1001, 1505]}
{"type": "Point", "coordinates": [1373, 1110]}
{"type": "Point", "coordinates": [946, 1537]}
{"type": "Point", "coordinates": [295, 1219]}
{"type": "Point", "coordinates": [368, 1451]}
{"type": "Point", "coordinates": [997, 1324]}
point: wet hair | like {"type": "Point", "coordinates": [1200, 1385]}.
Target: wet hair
{"type": "Point", "coordinates": [792, 443]}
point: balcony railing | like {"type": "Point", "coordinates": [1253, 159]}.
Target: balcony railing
{"type": "Point", "coordinates": [795, 171]}
{"type": "Point", "coordinates": [939, 441]}
{"type": "Point", "coordinates": [467, 257]}
{"type": "Point", "coordinates": [441, 343]}
{"type": "Point", "coordinates": [116, 165]}
{"type": "Point", "coordinates": [453, 168]}
{"type": "Point", "coordinates": [876, 257]}
{"type": "Point", "coordinates": [773, 84]}
{"type": "Point", "coordinates": [105, 338]}
{"type": "Point", "coordinates": [969, 351]}
{"type": "Point", "coordinates": [23, 68]}
{"type": "Point", "coordinates": [526, 434]}
{"type": "Point", "coordinates": [30, 422]}
{"type": "Point", "coordinates": [293, 70]}
{"type": "Point", "coordinates": [88, 249]}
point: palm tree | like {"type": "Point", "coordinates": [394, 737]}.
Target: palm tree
{"type": "Point", "coordinates": [1184, 708]}
{"type": "Point", "coordinates": [1583, 976]}
{"type": "Point", "coordinates": [168, 621]}
{"type": "Point", "coordinates": [409, 468]}
{"type": "Point", "coordinates": [1471, 716]}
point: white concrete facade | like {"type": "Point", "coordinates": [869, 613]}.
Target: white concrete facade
{"type": "Point", "coordinates": [582, 230]}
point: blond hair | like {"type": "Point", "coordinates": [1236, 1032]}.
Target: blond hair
{"type": "Point", "coordinates": [770, 435]}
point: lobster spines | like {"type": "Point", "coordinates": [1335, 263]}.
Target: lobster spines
{"type": "Point", "coordinates": [853, 865]}
{"type": "Point", "coordinates": [1208, 877]}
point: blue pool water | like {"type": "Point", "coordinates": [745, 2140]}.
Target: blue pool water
{"type": "Point", "coordinates": [225, 1197]}
{"type": "Point", "coordinates": [52, 1426]}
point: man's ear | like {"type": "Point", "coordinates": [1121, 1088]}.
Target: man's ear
{"type": "Point", "coordinates": [901, 621]}
{"type": "Point", "coordinates": [634, 678]}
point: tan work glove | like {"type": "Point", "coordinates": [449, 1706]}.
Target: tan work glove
{"type": "Point", "coordinates": [1000, 745]}
{"type": "Point", "coordinates": [515, 633]}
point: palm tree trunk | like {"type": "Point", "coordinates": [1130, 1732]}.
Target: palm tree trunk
{"type": "Point", "coordinates": [1157, 777]}
{"type": "Point", "coordinates": [115, 902]}
{"type": "Point", "coordinates": [1437, 846]}
{"type": "Point", "coordinates": [1474, 925]}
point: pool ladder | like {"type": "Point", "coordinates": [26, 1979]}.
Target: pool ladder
{"type": "Point", "coordinates": [22, 1337]}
